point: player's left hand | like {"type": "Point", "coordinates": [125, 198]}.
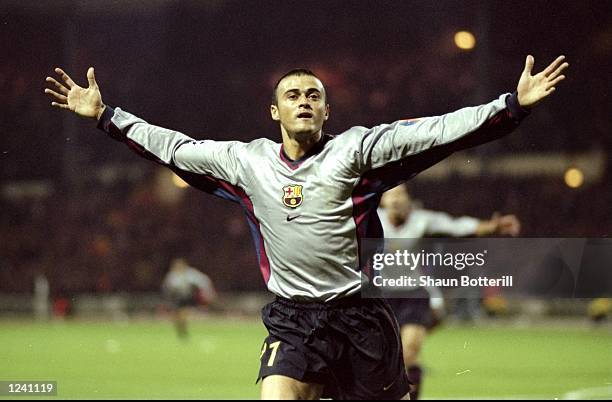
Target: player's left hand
{"type": "Point", "coordinates": [533, 88]}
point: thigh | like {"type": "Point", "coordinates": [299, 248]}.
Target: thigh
{"type": "Point", "coordinates": [279, 387]}
{"type": "Point", "coordinates": [413, 336]}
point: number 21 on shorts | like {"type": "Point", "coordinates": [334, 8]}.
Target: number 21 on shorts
{"type": "Point", "coordinates": [274, 348]}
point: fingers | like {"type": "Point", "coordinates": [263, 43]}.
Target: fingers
{"type": "Point", "coordinates": [91, 78]}
{"type": "Point", "coordinates": [59, 97]}
{"type": "Point", "coordinates": [529, 64]}
{"type": "Point", "coordinates": [553, 66]}
{"type": "Point", "coordinates": [59, 86]}
{"type": "Point", "coordinates": [65, 77]}
{"type": "Point", "coordinates": [554, 82]}
{"type": "Point", "coordinates": [558, 71]}
{"type": "Point", "coordinates": [60, 105]}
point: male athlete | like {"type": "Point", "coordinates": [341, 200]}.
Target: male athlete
{"type": "Point", "coordinates": [186, 287]}
{"type": "Point", "coordinates": [400, 220]}
{"type": "Point", "coordinates": [309, 201]}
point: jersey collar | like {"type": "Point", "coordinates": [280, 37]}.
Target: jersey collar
{"type": "Point", "coordinates": [318, 147]}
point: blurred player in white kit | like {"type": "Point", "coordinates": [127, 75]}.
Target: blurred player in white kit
{"type": "Point", "coordinates": [186, 287]}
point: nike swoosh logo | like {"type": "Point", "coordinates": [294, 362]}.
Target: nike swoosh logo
{"type": "Point", "coordinates": [390, 385]}
{"type": "Point", "coordinates": [290, 218]}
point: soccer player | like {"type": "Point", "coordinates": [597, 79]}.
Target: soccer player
{"type": "Point", "coordinates": [400, 220]}
{"type": "Point", "coordinates": [309, 200]}
{"type": "Point", "coordinates": [186, 287]}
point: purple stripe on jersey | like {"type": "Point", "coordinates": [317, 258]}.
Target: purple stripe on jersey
{"type": "Point", "coordinates": [247, 205]}
{"type": "Point", "coordinates": [367, 223]}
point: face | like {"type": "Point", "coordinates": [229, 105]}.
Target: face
{"type": "Point", "coordinates": [301, 108]}
{"type": "Point", "coordinates": [398, 204]}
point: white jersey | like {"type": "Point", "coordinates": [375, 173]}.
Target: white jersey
{"type": "Point", "coordinates": [308, 216]}
{"type": "Point", "coordinates": [181, 283]}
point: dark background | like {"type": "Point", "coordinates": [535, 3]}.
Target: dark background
{"type": "Point", "coordinates": [84, 210]}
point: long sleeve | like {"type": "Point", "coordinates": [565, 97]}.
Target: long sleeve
{"type": "Point", "coordinates": [217, 159]}
{"type": "Point", "coordinates": [411, 146]}
{"type": "Point", "coordinates": [390, 154]}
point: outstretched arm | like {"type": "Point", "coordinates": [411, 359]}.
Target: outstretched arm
{"type": "Point", "coordinates": [207, 165]}
{"type": "Point", "coordinates": [532, 89]}
{"type": "Point", "coordinates": [85, 102]}
{"type": "Point", "coordinates": [407, 147]}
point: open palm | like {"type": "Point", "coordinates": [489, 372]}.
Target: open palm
{"type": "Point", "coordinates": [86, 102]}
{"type": "Point", "coordinates": [533, 88]}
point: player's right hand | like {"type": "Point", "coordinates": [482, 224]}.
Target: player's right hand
{"type": "Point", "coordinates": [506, 225]}
{"type": "Point", "coordinates": [86, 102]}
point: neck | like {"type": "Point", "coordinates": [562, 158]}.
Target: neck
{"type": "Point", "coordinates": [296, 147]}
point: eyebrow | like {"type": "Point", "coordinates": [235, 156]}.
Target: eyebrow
{"type": "Point", "coordinates": [308, 91]}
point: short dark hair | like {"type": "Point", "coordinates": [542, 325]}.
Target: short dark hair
{"type": "Point", "coordinates": [296, 71]}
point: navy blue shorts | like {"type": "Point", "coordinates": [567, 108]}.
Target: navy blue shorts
{"type": "Point", "coordinates": [351, 346]}
{"type": "Point", "coordinates": [186, 301]}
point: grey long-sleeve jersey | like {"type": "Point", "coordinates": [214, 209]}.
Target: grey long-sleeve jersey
{"type": "Point", "coordinates": [307, 216]}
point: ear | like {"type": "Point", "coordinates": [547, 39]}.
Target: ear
{"type": "Point", "coordinates": [326, 112]}
{"type": "Point", "coordinates": [274, 113]}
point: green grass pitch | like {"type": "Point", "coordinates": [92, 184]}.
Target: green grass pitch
{"type": "Point", "coordinates": [145, 360]}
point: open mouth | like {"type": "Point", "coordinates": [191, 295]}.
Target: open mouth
{"type": "Point", "coordinates": [305, 115]}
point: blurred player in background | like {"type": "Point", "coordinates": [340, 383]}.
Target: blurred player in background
{"type": "Point", "coordinates": [42, 292]}
{"type": "Point", "coordinates": [309, 202]}
{"type": "Point", "coordinates": [186, 287]}
{"type": "Point", "coordinates": [424, 308]}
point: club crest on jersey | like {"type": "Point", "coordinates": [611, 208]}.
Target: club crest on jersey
{"type": "Point", "coordinates": [292, 195]}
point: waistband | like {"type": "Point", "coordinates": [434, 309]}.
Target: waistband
{"type": "Point", "coordinates": [347, 301]}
